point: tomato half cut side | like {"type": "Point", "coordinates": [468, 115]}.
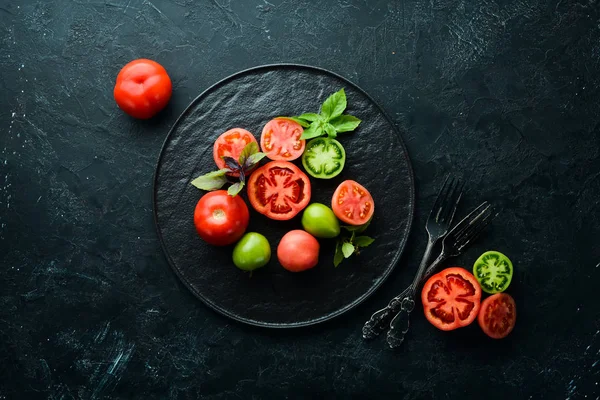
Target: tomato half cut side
{"type": "Point", "coordinates": [352, 203]}
{"type": "Point", "coordinates": [498, 315]}
{"type": "Point", "coordinates": [324, 158]}
{"type": "Point", "coordinates": [280, 140]}
{"type": "Point", "coordinates": [230, 144]}
{"type": "Point", "coordinates": [451, 299]}
{"type": "Point", "coordinates": [494, 272]}
{"type": "Point", "coordinates": [279, 190]}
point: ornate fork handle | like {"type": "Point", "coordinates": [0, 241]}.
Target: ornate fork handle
{"type": "Point", "coordinates": [379, 320]}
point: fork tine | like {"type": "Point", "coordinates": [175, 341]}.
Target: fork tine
{"type": "Point", "coordinates": [451, 203]}
{"type": "Point", "coordinates": [466, 221]}
{"type": "Point", "coordinates": [436, 206]}
{"type": "Point", "coordinates": [474, 228]}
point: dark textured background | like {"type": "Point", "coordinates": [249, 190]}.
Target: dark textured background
{"type": "Point", "coordinates": [504, 92]}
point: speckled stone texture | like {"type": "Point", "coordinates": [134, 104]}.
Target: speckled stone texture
{"type": "Point", "coordinates": [504, 93]}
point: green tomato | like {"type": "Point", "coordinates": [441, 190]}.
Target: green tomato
{"type": "Point", "coordinates": [324, 158]}
{"type": "Point", "coordinates": [494, 271]}
{"type": "Point", "coordinates": [251, 252]}
{"type": "Point", "coordinates": [320, 221]}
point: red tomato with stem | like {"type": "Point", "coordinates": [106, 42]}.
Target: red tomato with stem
{"type": "Point", "coordinates": [498, 315]}
{"type": "Point", "coordinates": [280, 140]}
{"type": "Point", "coordinates": [451, 298]}
{"type": "Point", "coordinates": [298, 251]}
{"type": "Point", "coordinates": [143, 88]}
{"type": "Point", "coordinates": [230, 144]}
{"type": "Point", "coordinates": [221, 219]}
{"type": "Point", "coordinates": [279, 190]}
{"type": "Point", "coordinates": [352, 203]}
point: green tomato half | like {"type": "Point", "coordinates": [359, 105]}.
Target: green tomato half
{"type": "Point", "coordinates": [251, 252]}
{"type": "Point", "coordinates": [320, 221]}
{"type": "Point", "coordinates": [324, 158]}
{"type": "Point", "coordinates": [494, 271]}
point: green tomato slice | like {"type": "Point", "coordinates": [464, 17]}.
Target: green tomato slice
{"type": "Point", "coordinates": [324, 158]}
{"type": "Point", "coordinates": [494, 271]}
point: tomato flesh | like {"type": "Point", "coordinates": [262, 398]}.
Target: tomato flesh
{"type": "Point", "coordinates": [230, 144]}
{"type": "Point", "coordinates": [280, 140]}
{"type": "Point", "coordinates": [279, 190]}
{"type": "Point", "coordinates": [221, 219]}
{"type": "Point", "coordinates": [451, 299]}
{"type": "Point", "coordinates": [324, 158]}
{"type": "Point", "coordinates": [352, 203]}
{"type": "Point", "coordinates": [494, 271]}
{"type": "Point", "coordinates": [498, 315]}
{"type": "Point", "coordinates": [143, 88]}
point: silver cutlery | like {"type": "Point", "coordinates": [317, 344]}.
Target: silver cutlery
{"type": "Point", "coordinates": [438, 223]}
{"type": "Point", "coordinates": [463, 234]}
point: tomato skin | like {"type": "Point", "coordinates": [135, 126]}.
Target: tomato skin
{"type": "Point", "coordinates": [498, 315]}
{"type": "Point", "coordinates": [352, 203]}
{"type": "Point", "coordinates": [324, 158]}
{"type": "Point", "coordinates": [280, 139]}
{"type": "Point", "coordinates": [231, 143]}
{"type": "Point", "coordinates": [298, 251]}
{"type": "Point", "coordinates": [493, 271]}
{"type": "Point", "coordinates": [143, 88]}
{"type": "Point", "coordinates": [440, 294]}
{"type": "Point", "coordinates": [221, 219]}
{"type": "Point", "coordinates": [320, 221]}
{"type": "Point", "coordinates": [251, 252]}
{"type": "Point", "coordinates": [279, 190]}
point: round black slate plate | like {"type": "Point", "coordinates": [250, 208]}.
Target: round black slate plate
{"type": "Point", "coordinates": [273, 297]}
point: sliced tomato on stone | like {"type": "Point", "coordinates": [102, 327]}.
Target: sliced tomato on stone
{"type": "Point", "coordinates": [280, 140]}
{"type": "Point", "coordinates": [451, 298]}
{"type": "Point", "coordinates": [498, 315]}
{"type": "Point", "coordinates": [352, 203]}
{"type": "Point", "coordinates": [279, 190]}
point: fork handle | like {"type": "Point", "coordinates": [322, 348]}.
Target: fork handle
{"type": "Point", "coordinates": [379, 321]}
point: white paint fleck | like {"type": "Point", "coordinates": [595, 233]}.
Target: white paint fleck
{"type": "Point", "coordinates": [13, 114]}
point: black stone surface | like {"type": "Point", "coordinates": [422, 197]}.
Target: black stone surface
{"type": "Point", "coordinates": [505, 93]}
{"type": "Point", "coordinates": [273, 296]}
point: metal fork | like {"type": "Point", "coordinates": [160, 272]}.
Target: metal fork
{"type": "Point", "coordinates": [438, 223]}
{"type": "Point", "coordinates": [463, 234]}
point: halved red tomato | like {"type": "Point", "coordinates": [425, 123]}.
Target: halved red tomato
{"type": "Point", "coordinates": [498, 315]}
{"type": "Point", "coordinates": [230, 144]}
{"type": "Point", "coordinates": [451, 298]}
{"type": "Point", "coordinates": [279, 190]}
{"type": "Point", "coordinates": [280, 139]}
{"type": "Point", "coordinates": [352, 203]}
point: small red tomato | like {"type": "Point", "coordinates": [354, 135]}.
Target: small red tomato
{"type": "Point", "coordinates": [221, 219]}
{"type": "Point", "coordinates": [143, 88]}
{"type": "Point", "coordinates": [298, 251]}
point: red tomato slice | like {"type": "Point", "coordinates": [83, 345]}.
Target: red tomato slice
{"type": "Point", "coordinates": [352, 203]}
{"type": "Point", "coordinates": [279, 190]}
{"type": "Point", "coordinates": [231, 144]}
{"type": "Point", "coordinates": [498, 315]}
{"type": "Point", "coordinates": [280, 140]}
{"type": "Point", "coordinates": [451, 298]}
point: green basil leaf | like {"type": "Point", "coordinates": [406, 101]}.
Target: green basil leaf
{"type": "Point", "coordinates": [249, 149]}
{"type": "Point", "coordinates": [313, 131]}
{"type": "Point", "coordinates": [235, 189]}
{"type": "Point", "coordinates": [309, 117]}
{"type": "Point", "coordinates": [252, 160]}
{"type": "Point", "coordinates": [338, 257]}
{"type": "Point", "coordinates": [334, 105]}
{"type": "Point", "coordinates": [330, 131]}
{"type": "Point", "coordinates": [363, 241]}
{"type": "Point", "coordinates": [347, 249]}
{"type": "Point", "coordinates": [211, 181]}
{"type": "Point", "coordinates": [357, 228]}
{"type": "Point", "coordinates": [297, 120]}
{"type": "Point", "coordinates": [345, 123]}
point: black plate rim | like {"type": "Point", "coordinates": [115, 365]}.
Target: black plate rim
{"type": "Point", "coordinates": [331, 315]}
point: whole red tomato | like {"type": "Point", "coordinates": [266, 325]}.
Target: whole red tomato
{"type": "Point", "coordinates": [143, 88]}
{"type": "Point", "coordinates": [221, 219]}
{"type": "Point", "coordinates": [298, 251]}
